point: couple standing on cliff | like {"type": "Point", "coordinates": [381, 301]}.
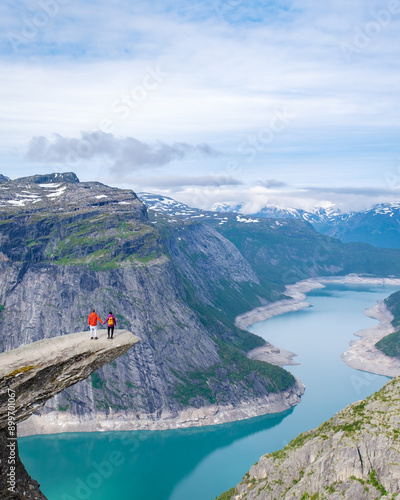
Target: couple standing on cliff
{"type": "Point", "coordinates": [110, 321]}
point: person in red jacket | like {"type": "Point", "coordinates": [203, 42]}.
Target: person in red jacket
{"type": "Point", "coordinates": [111, 322]}
{"type": "Point", "coordinates": [92, 320]}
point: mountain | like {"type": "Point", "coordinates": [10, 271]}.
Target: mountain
{"type": "Point", "coordinates": [355, 455]}
{"type": "Point", "coordinates": [378, 226]}
{"type": "Point", "coordinates": [68, 246]}
{"type": "Point", "coordinates": [319, 214]}
{"type": "Point", "coordinates": [178, 210]}
{"type": "Point", "coordinates": [178, 282]}
{"type": "Point", "coordinates": [222, 212]}
{"type": "Point", "coordinates": [168, 206]}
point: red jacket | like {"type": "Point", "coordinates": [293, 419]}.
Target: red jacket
{"type": "Point", "coordinates": [92, 319]}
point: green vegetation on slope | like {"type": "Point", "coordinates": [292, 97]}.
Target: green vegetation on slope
{"type": "Point", "coordinates": [219, 319]}
{"type": "Point", "coordinates": [227, 495]}
{"type": "Point", "coordinates": [104, 242]}
{"type": "Point", "coordinates": [100, 240]}
{"type": "Point", "coordinates": [393, 304]}
{"type": "Point", "coordinates": [237, 369]}
{"type": "Point", "coordinates": [390, 345]}
{"type": "Point", "coordinates": [294, 251]}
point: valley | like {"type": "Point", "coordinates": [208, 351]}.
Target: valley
{"type": "Point", "coordinates": [179, 284]}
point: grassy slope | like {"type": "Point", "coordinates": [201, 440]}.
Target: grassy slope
{"type": "Point", "coordinates": [349, 429]}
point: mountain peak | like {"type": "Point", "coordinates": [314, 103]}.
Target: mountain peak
{"type": "Point", "coordinates": [59, 192]}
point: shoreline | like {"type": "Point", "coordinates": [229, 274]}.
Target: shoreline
{"type": "Point", "coordinates": [59, 422]}
{"type": "Point", "coordinates": [362, 355]}
{"type": "Point", "coordinates": [268, 352]}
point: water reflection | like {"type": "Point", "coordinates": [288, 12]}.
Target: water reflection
{"type": "Point", "coordinates": [149, 463]}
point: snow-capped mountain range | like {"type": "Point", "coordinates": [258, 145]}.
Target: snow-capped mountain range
{"type": "Point", "coordinates": [378, 226]}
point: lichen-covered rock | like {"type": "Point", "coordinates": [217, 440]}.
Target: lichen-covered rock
{"type": "Point", "coordinates": [355, 456]}
{"type": "Point", "coordinates": [35, 372]}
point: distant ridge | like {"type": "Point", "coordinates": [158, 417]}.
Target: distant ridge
{"type": "Point", "coordinates": [54, 177]}
{"type": "Point", "coordinates": [378, 226]}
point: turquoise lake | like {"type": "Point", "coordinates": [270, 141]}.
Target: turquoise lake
{"type": "Point", "coordinates": [201, 463]}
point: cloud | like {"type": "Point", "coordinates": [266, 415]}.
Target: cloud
{"type": "Point", "coordinates": [345, 199]}
{"type": "Point", "coordinates": [126, 154]}
{"type": "Point", "coordinates": [177, 181]}
{"type": "Point", "coordinates": [230, 66]}
{"type": "Point", "coordinates": [352, 191]}
{"type": "Point", "coordinates": [272, 183]}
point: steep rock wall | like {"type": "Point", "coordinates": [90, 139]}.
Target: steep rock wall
{"type": "Point", "coordinates": [355, 455]}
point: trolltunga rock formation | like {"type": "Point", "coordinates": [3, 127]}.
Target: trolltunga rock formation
{"type": "Point", "coordinates": [32, 374]}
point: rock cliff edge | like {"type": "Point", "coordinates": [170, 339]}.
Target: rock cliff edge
{"type": "Point", "coordinates": [355, 455]}
{"type": "Point", "coordinates": [32, 374]}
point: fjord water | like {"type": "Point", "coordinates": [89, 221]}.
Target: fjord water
{"type": "Point", "coordinates": [200, 463]}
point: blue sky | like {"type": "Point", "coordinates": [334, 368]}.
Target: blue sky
{"type": "Point", "coordinates": [293, 103]}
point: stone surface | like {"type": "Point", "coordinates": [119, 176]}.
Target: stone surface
{"type": "Point", "coordinates": [25, 487]}
{"type": "Point", "coordinates": [355, 455]}
{"type": "Point", "coordinates": [114, 420]}
{"type": "Point", "coordinates": [36, 372]}
{"type": "Point", "coordinates": [364, 355]}
{"type": "Point", "coordinates": [32, 374]}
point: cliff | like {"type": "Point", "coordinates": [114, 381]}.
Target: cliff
{"type": "Point", "coordinates": [68, 246]}
{"type": "Point", "coordinates": [355, 455]}
{"type": "Point", "coordinates": [32, 374]}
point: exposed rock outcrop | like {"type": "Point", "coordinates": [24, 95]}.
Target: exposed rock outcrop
{"type": "Point", "coordinates": [32, 374]}
{"type": "Point", "coordinates": [355, 455]}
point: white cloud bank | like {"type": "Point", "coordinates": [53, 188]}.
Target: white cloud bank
{"type": "Point", "coordinates": [214, 73]}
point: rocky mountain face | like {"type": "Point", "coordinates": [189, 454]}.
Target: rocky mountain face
{"type": "Point", "coordinates": [355, 455]}
{"type": "Point", "coordinates": [67, 246]}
